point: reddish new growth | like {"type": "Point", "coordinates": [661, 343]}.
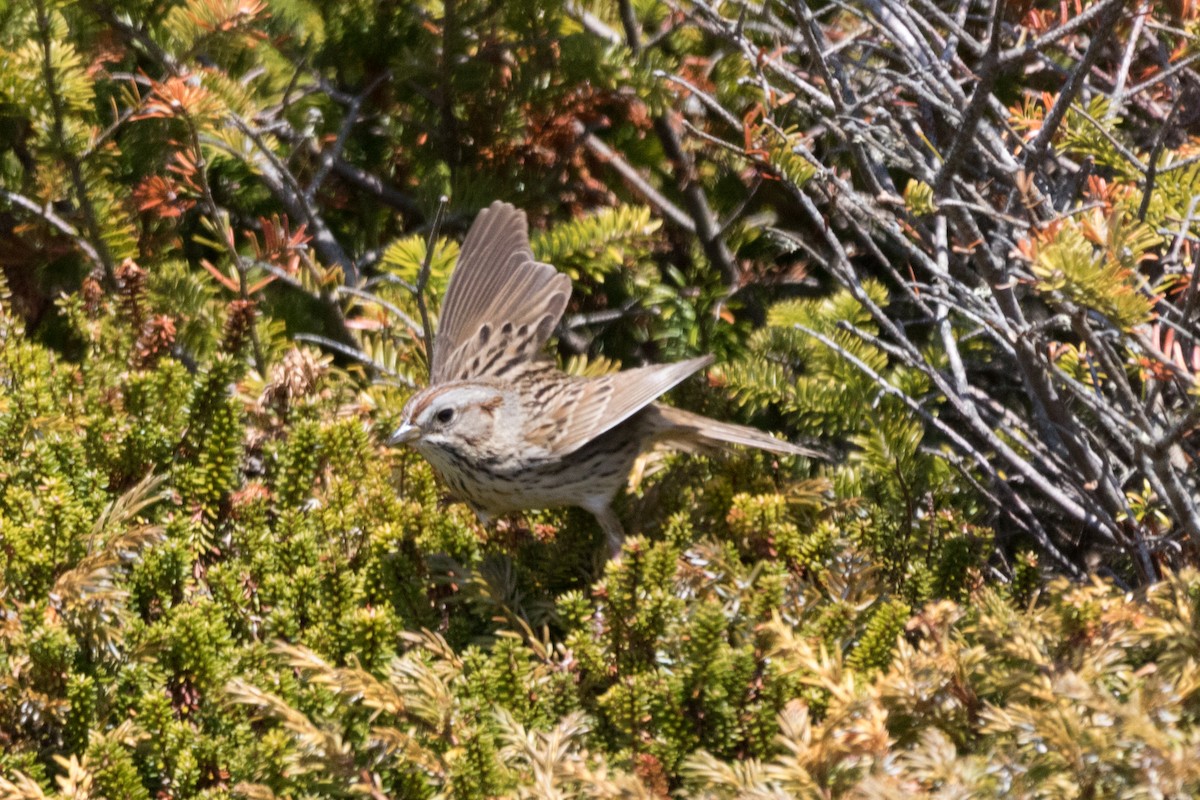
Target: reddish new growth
{"type": "Point", "coordinates": [224, 16]}
{"type": "Point", "coordinates": [169, 196]}
{"type": "Point", "coordinates": [160, 196]}
{"type": "Point", "coordinates": [280, 248]}
{"type": "Point", "coordinates": [178, 97]}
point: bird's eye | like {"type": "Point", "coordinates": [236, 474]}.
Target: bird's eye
{"type": "Point", "coordinates": [445, 415]}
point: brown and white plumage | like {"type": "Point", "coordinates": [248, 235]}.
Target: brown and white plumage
{"type": "Point", "coordinates": [505, 428]}
{"type": "Point", "coordinates": [501, 305]}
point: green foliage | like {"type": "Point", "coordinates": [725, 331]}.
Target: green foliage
{"type": "Point", "coordinates": [1104, 279]}
{"type": "Point", "coordinates": [259, 619]}
{"type": "Point", "coordinates": [216, 582]}
{"type": "Point", "coordinates": [918, 198]}
{"type": "Point", "coordinates": [594, 247]}
{"type": "Point", "coordinates": [901, 502]}
{"type": "Point", "coordinates": [280, 521]}
{"type": "Point", "coordinates": [404, 258]}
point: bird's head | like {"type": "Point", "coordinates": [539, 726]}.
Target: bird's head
{"type": "Point", "coordinates": [456, 417]}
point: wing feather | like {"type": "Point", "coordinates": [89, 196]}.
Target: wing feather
{"type": "Point", "coordinates": [501, 305]}
{"type": "Point", "coordinates": [579, 410]}
{"type": "Point", "coordinates": [687, 431]}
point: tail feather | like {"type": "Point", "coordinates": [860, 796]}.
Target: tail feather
{"type": "Point", "coordinates": [684, 430]}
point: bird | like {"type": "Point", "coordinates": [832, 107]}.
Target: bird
{"type": "Point", "coordinates": [509, 431]}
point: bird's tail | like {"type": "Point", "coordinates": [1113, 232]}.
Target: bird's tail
{"type": "Point", "coordinates": [684, 430]}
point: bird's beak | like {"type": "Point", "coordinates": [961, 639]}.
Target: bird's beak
{"type": "Point", "coordinates": [404, 434]}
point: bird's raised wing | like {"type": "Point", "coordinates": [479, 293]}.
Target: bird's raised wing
{"type": "Point", "coordinates": [501, 305]}
{"type": "Point", "coordinates": [575, 411]}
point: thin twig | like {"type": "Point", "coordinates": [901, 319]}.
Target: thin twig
{"type": "Point", "coordinates": [60, 224]}
{"type": "Point", "coordinates": [283, 184]}
{"type": "Point", "coordinates": [1110, 12]}
{"type": "Point", "coordinates": [219, 219]}
{"type": "Point", "coordinates": [1040, 45]}
{"type": "Point", "coordinates": [981, 461]}
{"type": "Point", "coordinates": [841, 94]}
{"type": "Point", "coordinates": [413, 326]}
{"type": "Point", "coordinates": [356, 354]}
{"type": "Point", "coordinates": [965, 135]}
{"type": "Point", "coordinates": [1156, 150]}
{"type": "Point", "coordinates": [634, 178]}
{"type": "Point", "coordinates": [333, 154]}
{"type": "Point", "coordinates": [1135, 35]}
{"type": "Point", "coordinates": [423, 279]}
{"type": "Point", "coordinates": [74, 167]}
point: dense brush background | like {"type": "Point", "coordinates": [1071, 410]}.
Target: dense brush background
{"type": "Point", "coordinates": [951, 242]}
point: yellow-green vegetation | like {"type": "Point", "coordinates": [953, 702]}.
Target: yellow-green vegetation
{"type": "Point", "coordinates": [953, 245]}
{"type": "Point", "coordinates": [218, 583]}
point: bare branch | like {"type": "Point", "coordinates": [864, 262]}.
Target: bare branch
{"type": "Point", "coordinates": [55, 221]}
{"type": "Point", "coordinates": [423, 278]}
